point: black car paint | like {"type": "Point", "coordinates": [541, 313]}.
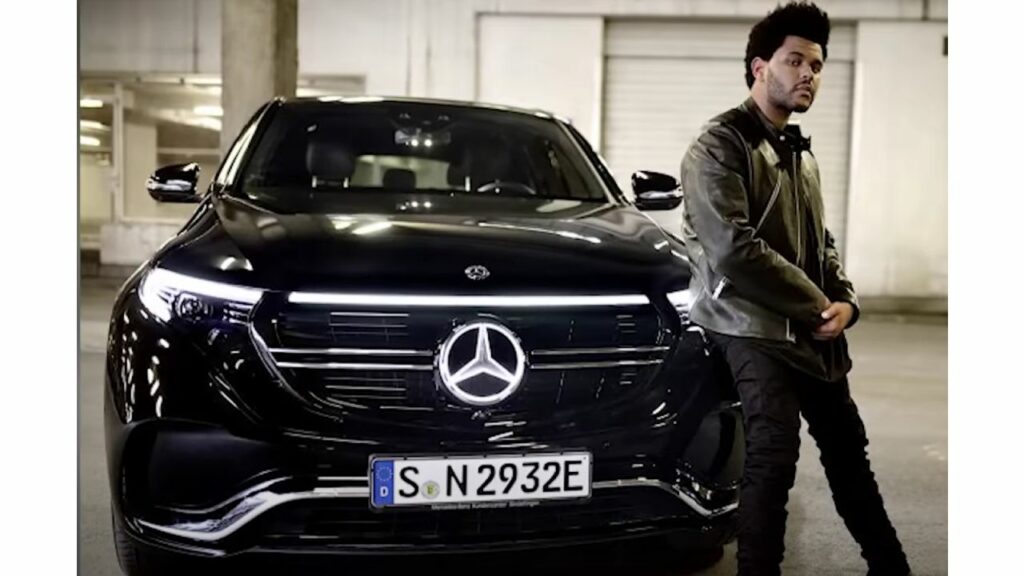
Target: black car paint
{"type": "Point", "coordinates": [192, 417]}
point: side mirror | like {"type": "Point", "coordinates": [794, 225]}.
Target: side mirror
{"type": "Point", "coordinates": [175, 183]}
{"type": "Point", "coordinates": [656, 191]}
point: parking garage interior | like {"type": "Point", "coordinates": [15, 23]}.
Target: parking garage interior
{"type": "Point", "coordinates": [173, 81]}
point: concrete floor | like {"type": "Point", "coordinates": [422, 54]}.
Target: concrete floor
{"type": "Point", "coordinates": [899, 382]}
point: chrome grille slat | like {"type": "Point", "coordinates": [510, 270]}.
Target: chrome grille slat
{"type": "Point", "coordinates": [595, 365]}
{"type": "Point", "coordinates": [352, 366]}
{"type": "Point", "coordinates": [372, 314]}
{"type": "Point", "coordinates": [394, 377]}
{"type": "Point", "coordinates": [351, 351]}
{"type": "Point", "coordinates": [365, 388]}
{"type": "Point", "coordinates": [589, 351]}
{"type": "Point", "coordinates": [365, 325]}
{"type": "Point", "coordinates": [368, 396]}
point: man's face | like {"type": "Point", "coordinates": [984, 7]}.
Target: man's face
{"type": "Point", "coordinates": [793, 75]}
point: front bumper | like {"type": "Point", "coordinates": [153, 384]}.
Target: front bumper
{"type": "Point", "coordinates": [198, 489]}
{"type": "Point", "coordinates": [284, 501]}
{"type": "Point", "coordinates": [198, 465]}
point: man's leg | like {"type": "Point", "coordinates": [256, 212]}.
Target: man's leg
{"type": "Point", "coordinates": [771, 417]}
{"type": "Point", "coordinates": [835, 424]}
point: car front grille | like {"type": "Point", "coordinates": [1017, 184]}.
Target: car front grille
{"type": "Point", "coordinates": [384, 360]}
{"type": "Point", "coordinates": [313, 327]}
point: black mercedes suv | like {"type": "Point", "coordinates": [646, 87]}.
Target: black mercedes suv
{"type": "Point", "coordinates": [409, 326]}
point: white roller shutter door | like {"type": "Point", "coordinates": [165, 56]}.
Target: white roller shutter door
{"type": "Point", "coordinates": [665, 79]}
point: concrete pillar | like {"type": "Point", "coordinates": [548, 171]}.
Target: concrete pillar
{"type": "Point", "coordinates": [139, 162]}
{"type": "Point", "coordinates": [259, 58]}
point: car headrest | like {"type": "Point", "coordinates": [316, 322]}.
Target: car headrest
{"type": "Point", "coordinates": [486, 161]}
{"type": "Point", "coordinates": [399, 178]}
{"type": "Point", "coordinates": [456, 176]}
{"type": "Point", "coordinates": [328, 159]}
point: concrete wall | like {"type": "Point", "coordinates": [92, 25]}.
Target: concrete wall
{"type": "Point", "coordinates": [150, 36]}
{"type": "Point", "coordinates": [95, 188]}
{"type": "Point", "coordinates": [525, 61]}
{"type": "Point", "coordinates": [478, 49]}
{"type": "Point", "coordinates": [897, 233]}
{"type": "Point", "coordinates": [418, 47]}
{"type": "Point", "coordinates": [148, 223]}
{"type": "Point", "coordinates": [366, 37]}
{"type": "Point", "coordinates": [129, 244]}
{"type": "Point", "coordinates": [140, 162]}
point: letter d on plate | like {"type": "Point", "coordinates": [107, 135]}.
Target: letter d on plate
{"type": "Point", "coordinates": [383, 482]}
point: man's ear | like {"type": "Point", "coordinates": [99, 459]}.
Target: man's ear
{"type": "Point", "coordinates": [757, 66]}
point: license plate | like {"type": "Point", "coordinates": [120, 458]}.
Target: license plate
{"type": "Point", "coordinates": [457, 480]}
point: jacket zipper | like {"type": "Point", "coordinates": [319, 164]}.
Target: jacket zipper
{"type": "Point", "coordinates": [799, 227]}
{"type": "Point", "coordinates": [771, 204]}
{"type": "Point", "coordinates": [796, 186]}
{"type": "Point", "coordinates": [799, 235]}
{"type": "Point", "coordinates": [718, 289]}
{"type": "Point", "coordinates": [821, 253]}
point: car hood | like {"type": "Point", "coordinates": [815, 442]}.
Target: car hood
{"type": "Point", "coordinates": [426, 243]}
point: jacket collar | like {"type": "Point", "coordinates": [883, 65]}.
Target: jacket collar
{"type": "Point", "coordinates": [785, 141]}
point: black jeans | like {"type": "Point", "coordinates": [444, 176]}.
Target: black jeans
{"type": "Point", "coordinates": [773, 396]}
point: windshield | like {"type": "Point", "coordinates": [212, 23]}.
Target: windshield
{"type": "Point", "coordinates": [312, 149]}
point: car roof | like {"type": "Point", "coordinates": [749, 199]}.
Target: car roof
{"type": "Point", "coordinates": [359, 100]}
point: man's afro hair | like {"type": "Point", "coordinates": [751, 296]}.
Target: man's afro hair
{"type": "Point", "coordinates": [799, 18]}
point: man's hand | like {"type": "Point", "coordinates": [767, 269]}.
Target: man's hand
{"type": "Point", "coordinates": [836, 316]}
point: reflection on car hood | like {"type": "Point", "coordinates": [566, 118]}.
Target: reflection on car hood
{"type": "Point", "coordinates": [425, 243]}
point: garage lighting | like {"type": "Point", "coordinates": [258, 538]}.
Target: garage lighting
{"type": "Point", "coordinates": [206, 122]}
{"type": "Point", "coordinates": [208, 110]}
{"type": "Point", "coordinates": [208, 81]}
{"type": "Point", "coordinates": [90, 103]}
{"type": "Point", "coordinates": [93, 125]}
{"type": "Point", "coordinates": [88, 141]}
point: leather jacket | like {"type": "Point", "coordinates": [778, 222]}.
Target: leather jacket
{"type": "Point", "coordinates": [752, 197]}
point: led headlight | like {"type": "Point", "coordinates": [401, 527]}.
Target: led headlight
{"type": "Point", "coordinates": [681, 300]}
{"type": "Point", "coordinates": [169, 295]}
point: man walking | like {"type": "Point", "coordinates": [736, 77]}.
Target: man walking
{"type": "Point", "coordinates": [772, 295]}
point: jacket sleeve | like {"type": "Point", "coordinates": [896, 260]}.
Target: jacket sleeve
{"type": "Point", "coordinates": [837, 286]}
{"type": "Point", "coordinates": [717, 207]}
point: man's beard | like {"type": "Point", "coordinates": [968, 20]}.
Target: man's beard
{"type": "Point", "coordinates": [779, 97]}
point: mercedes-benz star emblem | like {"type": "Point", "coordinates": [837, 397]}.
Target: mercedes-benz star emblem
{"type": "Point", "coordinates": [481, 363]}
{"type": "Point", "coordinates": [477, 272]}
